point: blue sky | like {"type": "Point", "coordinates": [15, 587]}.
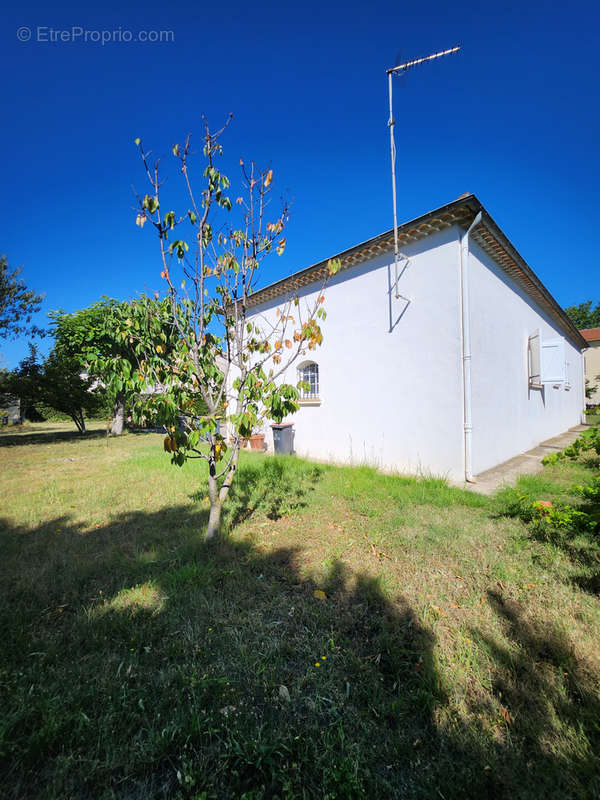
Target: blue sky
{"type": "Point", "coordinates": [513, 118]}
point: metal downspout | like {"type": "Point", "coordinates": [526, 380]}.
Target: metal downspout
{"type": "Point", "coordinates": [582, 363]}
{"type": "Point", "coordinates": [466, 350]}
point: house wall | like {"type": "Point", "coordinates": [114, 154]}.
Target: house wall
{"type": "Point", "coordinates": [508, 416]}
{"type": "Point", "coordinates": [592, 370]}
{"type": "Point", "coordinates": [390, 374]}
{"type": "Point", "coordinates": [11, 412]}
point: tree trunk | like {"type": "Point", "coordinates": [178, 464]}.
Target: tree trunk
{"type": "Point", "coordinates": [118, 415]}
{"type": "Point", "coordinates": [79, 420]}
{"type": "Point", "coordinates": [218, 496]}
{"type": "Point", "coordinates": [214, 521]}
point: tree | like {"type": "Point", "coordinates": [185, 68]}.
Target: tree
{"type": "Point", "coordinates": [217, 365]}
{"type": "Point", "coordinates": [56, 382]}
{"type": "Point", "coordinates": [17, 304]}
{"type": "Point", "coordinates": [100, 340]}
{"type": "Point", "coordinates": [65, 388]}
{"type": "Point", "coordinates": [584, 316]}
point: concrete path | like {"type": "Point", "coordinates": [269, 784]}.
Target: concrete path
{"type": "Point", "coordinates": [526, 464]}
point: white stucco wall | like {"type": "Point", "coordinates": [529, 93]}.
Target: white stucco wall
{"type": "Point", "coordinates": [508, 417]}
{"type": "Point", "coordinates": [390, 383]}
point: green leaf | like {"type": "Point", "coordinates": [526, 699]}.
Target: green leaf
{"type": "Point", "coordinates": [151, 203]}
{"type": "Point", "coordinates": [334, 265]}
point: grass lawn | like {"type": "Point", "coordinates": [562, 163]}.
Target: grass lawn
{"type": "Point", "coordinates": [354, 635]}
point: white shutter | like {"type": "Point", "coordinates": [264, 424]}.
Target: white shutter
{"type": "Point", "coordinates": [553, 361]}
{"type": "Point", "coordinates": [534, 359]}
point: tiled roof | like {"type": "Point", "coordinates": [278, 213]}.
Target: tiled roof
{"type": "Point", "coordinates": [590, 334]}
{"type": "Point", "coordinates": [460, 212]}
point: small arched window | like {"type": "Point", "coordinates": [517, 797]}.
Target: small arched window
{"type": "Point", "coordinates": [308, 373]}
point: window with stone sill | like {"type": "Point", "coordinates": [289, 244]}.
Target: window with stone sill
{"type": "Point", "coordinates": [308, 373]}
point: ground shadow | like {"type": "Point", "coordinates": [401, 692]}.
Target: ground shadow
{"type": "Point", "coordinates": [139, 663]}
{"type": "Point", "coordinates": [544, 693]}
{"type": "Point", "coordinates": [136, 654]}
{"type": "Point", "coordinates": [275, 486]}
{"type": "Point", "coordinates": [48, 436]}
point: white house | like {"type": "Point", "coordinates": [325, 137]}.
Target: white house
{"type": "Point", "coordinates": [460, 363]}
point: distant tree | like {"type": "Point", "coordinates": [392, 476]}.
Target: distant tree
{"type": "Point", "coordinates": [589, 389]}
{"type": "Point", "coordinates": [17, 304]}
{"type": "Point", "coordinates": [57, 383]}
{"type": "Point", "coordinates": [584, 316]}
{"type": "Point", "coordinates": [101, 340]}
{"type": "Point", "coordinates": [232, 366]}
{"type": "Point", "coordinates": [66, 389]}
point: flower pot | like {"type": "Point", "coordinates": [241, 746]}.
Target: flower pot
{"type": "Point", "coordinates": [257, 441]}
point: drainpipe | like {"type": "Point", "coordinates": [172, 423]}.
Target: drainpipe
{"type": "Point", "coordinates": [466, 350]}
{"type": "Point", "coordinates": [582, 362]}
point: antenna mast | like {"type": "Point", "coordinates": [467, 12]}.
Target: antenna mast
{"type": "Point", "coordinates": [391, 122]}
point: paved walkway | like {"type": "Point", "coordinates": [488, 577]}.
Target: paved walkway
{"type": "Point", "coordinates": [526, 464]}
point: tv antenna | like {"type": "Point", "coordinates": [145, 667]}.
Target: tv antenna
{"type": "Point", "coordinates": [391, 122]}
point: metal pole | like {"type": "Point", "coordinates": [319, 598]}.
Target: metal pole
{"type": "Point", "coordinates": [391, 122]}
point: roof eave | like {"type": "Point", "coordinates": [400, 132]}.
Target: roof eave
{"type": "Point", "coordinates": [459, 212]}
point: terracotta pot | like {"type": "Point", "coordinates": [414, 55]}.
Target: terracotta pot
{"type": "Point", "coordinates": [257, 441]}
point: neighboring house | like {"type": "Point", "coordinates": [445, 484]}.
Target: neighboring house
{"type": "Point", "coordinates": [461, 363]}
{"type": "Point", "coordinates": [592, 361]}
{"type": "Point", "coordinates": [10, 411]}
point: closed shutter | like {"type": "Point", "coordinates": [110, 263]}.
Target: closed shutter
{"type": "Point", "coordinates": [553, 361]}
{"type": "Point", "coordinates": [534, 359]}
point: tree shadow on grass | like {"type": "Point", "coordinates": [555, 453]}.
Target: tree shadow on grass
{"type": "Point", "coordinates": [274, 485]}
{"type": "Point", "coordinates": [48, 436]}
{"type": "Point", "coordinates": [547, 703]}
{"type": "Point", "coordinates": [139, 662]}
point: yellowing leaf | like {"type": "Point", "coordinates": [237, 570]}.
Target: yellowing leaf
{"type": "Point", "coordinates": [334, 265]}
{"type": "Point", "coordinates": [268, 178]}
{"type": "Point", "coordinates": [320, 594]}
{"type": "Point", "coordinates": [281, 247]}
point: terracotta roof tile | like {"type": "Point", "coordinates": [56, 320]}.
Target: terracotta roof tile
{"type": "Point", "coordinates": [590, 334]}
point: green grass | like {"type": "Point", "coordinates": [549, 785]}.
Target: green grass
{"type": "Point", "coordinates": [452, 656]}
